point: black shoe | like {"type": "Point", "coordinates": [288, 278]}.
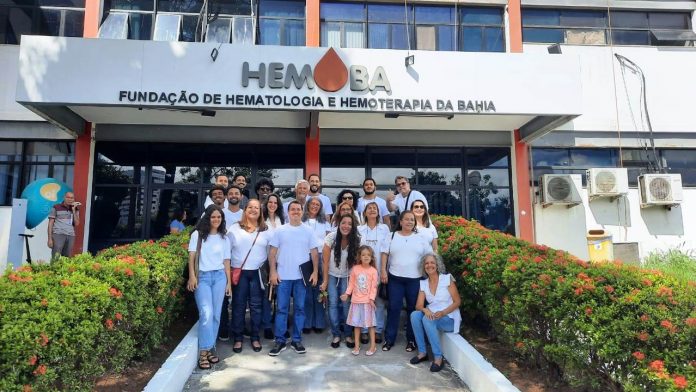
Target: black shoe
{"type": "Point", "coordinates": [306, 331]}
{"type": "Point", "coordinates": [298, 347]}
{"type": "Point", "coordinates": [277, 349]}
{"type": "Point", "coordinates": [435, 367]}
{"type": "Point", "coordinates": [350, 344]}
{"type": "Point", "coordinates": [364, 338]}
{"type": "Point", "coordinates": [256, 348]}
{"type": "Point", "coordinates": [237, 349]}
{"type": "Point", "coordinates": [378, 339]}
{"type": "Point", "coordinates": [387, 346]}
{"type": "Point", "coordinates": [318, 330]}
{"type": "Point", "coordinates": [268, 334]}
{"type": "Point", "coordinates": [336, 343]}
{"type": "Point", "coordinates": [416, 360]}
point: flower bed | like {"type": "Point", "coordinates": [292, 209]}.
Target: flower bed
{"type": "Point", "coordinates": [603, 326]}
{"type": "Point", "coordinates": [62, 325]}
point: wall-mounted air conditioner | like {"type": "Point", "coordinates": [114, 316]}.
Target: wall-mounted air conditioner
{"type": "Point", "coordinates": [560, 189]}
{"type": "Point", "coordinates": [607, 182]}
{"type": "Point", "coordinates": [660, 190]}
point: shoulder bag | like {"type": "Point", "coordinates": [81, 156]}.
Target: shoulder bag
{"type": "Point", "coordinates": [237, 271]}
{"type": "Point", "coordinates": [383, 289]}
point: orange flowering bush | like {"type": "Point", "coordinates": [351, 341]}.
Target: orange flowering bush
{"type": "Point", "coordinates": [603, 326]}
{"type": "Point", "coordinates": [63, 325]}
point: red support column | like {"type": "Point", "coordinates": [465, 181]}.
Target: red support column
{"type": "Point", "coordinates": [515, 25]}
{"type": "Point", "coordinates": [523, 187]}
{"type": "Point", "coordinates": [312, 23]}
{"type": "Point", "coordinates": [92, 18]}
{"type": "Point", "coordinates": [81, 183]}
{"type": "Point", "coordinates": [312, 153]}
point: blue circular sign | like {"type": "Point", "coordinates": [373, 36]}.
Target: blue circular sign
{"type": "Point", "coordinates": [41, 196]}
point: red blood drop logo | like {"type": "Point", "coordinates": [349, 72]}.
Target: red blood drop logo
{"type": "Point", "coordinates": [330, 73]}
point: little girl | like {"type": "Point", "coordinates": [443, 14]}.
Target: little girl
{"type": "Point", "coordinates": [362, 286]}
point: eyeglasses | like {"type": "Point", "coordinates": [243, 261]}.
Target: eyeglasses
{"type": "Point", "coordinates": [401, 183]}
{"type": "Point", "coordinates": [265, 188]}
{"type": "Point", "coordinates": [418, 207]}
{"type": "Point", "coordinates": [347, 197]}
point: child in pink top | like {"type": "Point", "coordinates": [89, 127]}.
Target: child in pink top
{"type": "Point", "coordinates": [362, 287]}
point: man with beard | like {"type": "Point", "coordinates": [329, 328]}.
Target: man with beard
{"type": "Point", "coordinates": [314, 188]}
{"type": "Point", "coordinates": [216, 195]}
{"type": "Point", "coordinates": [370, 189]}
{"type": "Point", "coordinates": [233, 212]}
{"type": "Point", "coordinates": [223, 181]}
{"type": "Point", "coordinates": [263, 188]}
{"type": "Point", "coordinates": [301, 190]}
{"type": "Point", "coordinates": [240, 181]}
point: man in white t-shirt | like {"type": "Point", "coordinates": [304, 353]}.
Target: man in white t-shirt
{"type": "Point", "coordinates": [405, 197]}
{"type": "Point", "coordinates": [301, 191]}
{"type": "Point", "coordinates": [292, 243]}
{"type": "Point", "coordinates": [233, 212]}
{"type": "Point", "coordinates": [370, 189]}
{"type": "Point", "coordinates": [240, 181]}
{"type": "Point", "coordinates": [220, 179]}
{"type": "Point", "coordinates": [314, 190]}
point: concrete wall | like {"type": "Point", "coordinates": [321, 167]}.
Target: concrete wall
{"type": "Point", "coordinates": [37, 244]}
{"type": "Point", "coordinates": [652, 228]}
{"type": "Point", "coordinates": [10, 110]}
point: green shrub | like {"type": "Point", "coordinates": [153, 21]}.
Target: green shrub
{"type": "Point", "coordinates": [601, 326]}
{"type": "Point", "coordinates": [676, 262]}
{"type": "Point", "coordinates": [63, 325]}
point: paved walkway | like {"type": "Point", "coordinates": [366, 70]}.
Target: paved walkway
{"type": "Point", "coordinates": [322, 368]}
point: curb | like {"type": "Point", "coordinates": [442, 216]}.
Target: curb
{"type": "Point", "coordinates": [478, 374]}
{"type": "Point", "coordinates": [177, 369]}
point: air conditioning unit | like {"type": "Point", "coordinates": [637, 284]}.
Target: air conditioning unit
{"type": "Point", "coordinates": [560, 189]}
{"type": "Point", "coordinates": [607, 182]}
{"type": "Point", "coordinates": [660, 190]}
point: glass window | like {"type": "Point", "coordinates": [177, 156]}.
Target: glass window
{"type": "Point", "coordinates": [584, 18]}
{"type": "Point", "coordinates": [14, 22]}
{"type": "Point", "coordinates": [343, 156]}
{"type": "Point", "coordinates": [669, 20]}
{"type": "Point", "coordinates": [115, 26]}
{"type": "Point", "coordinates": [593, 157]}
{"type": "Point", "coordinates": [10, 151]}
{"type": "Point", "coordinates": [176, 175]}
{"type": "Point", "coordinates": [629, 19]}
{"type": "Point", "coordinates": [550, 157]}
{"type": "Point", "coordinates": [342, 12]}
{"type": "Point", "coordinates": [282, 8]}
{"type": "Point", "coordinates": [481, 16]}
{"type": "Point", "coordinates": [434, 14]}
{"type": "Point", "coordinates": [134, 5]}
{"type": "Point", "coordinates": [550, 36]}
{"type": "Point", "coordinates": [491, 207]}
{"type": "Point", "coordinates": [385, 175]}
{"type": "Point", "coordinates": [219, 31]}
{"type": "Point", "coordinates": [50, 151]}
{"type": "Point", "coordinates": [630, 37]}
{"type": "Point", "coordinates": [117, 212]}
{"type": "Point", "coordinates": [394, 157]}
{"type": "Point", "coordinates": [683, 162]}
{"type": "Point", "coordinates": [232, 7]}
{"type": "Point", "coordinates": [167, 27]}
{"type": "Point", "coordinates": [165, 202]}
{"type": "Point", "coordinates": [186, 6]}
{"type": "Point", "coordinates": [243, 31]}
{"type": "Point", "coordinates": [487, 157]}
{"type": "Point", "coordinates": [444, 202]}
{"type": "Point", "coordinates": [482, 29]}
{"type": "Point", "coordinates": [117, 174]}
{"type": "Point", "coordinates": [439, 176]}
{"type": "Point", "coordinates": [189, 28]}
{"type": "Point", "coordinates": [492, 178]}
{"type": "Point", "coordinates": [540, 17]}
{"type": "Point", "coordinates": [140, 26]}
{"type": "Point", "coordinates": [387, 13]}
{"type": "Point", "coordinates": [342, 176]}
{"type": "Point", "coordinates": [9, 183]}
{"type": "Point", "coordinates": [269, 32]}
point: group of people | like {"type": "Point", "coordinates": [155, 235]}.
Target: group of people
{"type": "Point", "coordinates": [247, 249]}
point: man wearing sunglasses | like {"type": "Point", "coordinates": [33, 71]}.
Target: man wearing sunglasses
{"type": "Point", "coordinates": [263, 188]}
{"type": "Point", "coordinates": [404, 197]}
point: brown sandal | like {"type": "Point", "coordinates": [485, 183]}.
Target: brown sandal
{"type": "Point", "coordinates": [203, 362]}
{"type": "Point", "coordinates": [212, 358]}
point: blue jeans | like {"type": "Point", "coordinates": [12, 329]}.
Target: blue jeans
{"type": "Point", "coordinates": [267, 311]}
{"type": "Point", "coordinates": [314, 311]}
{"type": "Point", "coordinates": [209, 295]}
{"type": "Point", "coordinates": [247, 291]}
{"type": "Point", "coordinates": [423, 326]}
{"type": "Point", "coordinates": [400, 287]}
{"type": "Point", "coordinates": [297, 290]}
{"type": "Point", "coordinates": [338, 310]}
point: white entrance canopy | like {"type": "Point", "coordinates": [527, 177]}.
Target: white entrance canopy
{"type": "Point", "coordinates": [70, 81]}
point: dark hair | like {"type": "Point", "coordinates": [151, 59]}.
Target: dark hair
{"type": "Point", "coordinates": [217, 187]}
{"type": "Point", "coordinates": [353, 242]}
{"type": "Point", "coordinates": [233, 187]}
{"type": "Point", "coordinates": [321, 218]}
{"type": "Point", "coordinates": [262, 182]}
{"type": "Point", "coordinates": [260, 221]}
{"type": "Point", "coordinates": [312, 175]}
{"type": "Point", "coordinates": [401, 217]}
{"type": "Point", "coordinates": [178, 214]}
{"type": "Point", "coordinates": [373, 261]}
{"type": "Point", "coordinates": [339, 198]}
{"type": "Point", "coordinates": [369, 179]}
{"type": "Point", "coordinates": [203, 225]}
{"type": "Point", "coordinates": [397, 178]}
{"type": "Point", "coordinates": [279, 212]}
{"type": "Point", "coordinates": [295, 202]}
{"type": "Point", "coordinates": [365, 211]}
{"type": "Point", "coordinates": [426, 216]}
{"type": "Point", "coordinates": [238, 175]}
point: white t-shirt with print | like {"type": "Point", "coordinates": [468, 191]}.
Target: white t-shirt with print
{"type": "Point", "coordinates": [214, 250]}
{"type": "Point", "coordinates": [376, 239]}
{"type": "Point", "coordinates": [240, 243]}
{"type": "Point", "coordinates": [294, 244]}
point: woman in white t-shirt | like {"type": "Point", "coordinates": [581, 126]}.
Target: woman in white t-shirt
{"type": "Point", "coordinates": [375, 235]}
{"type": "Point", "coordinates": [213, 280]}
{"type": "Point", "coordinates": [273, 212]}
{"type": "Point", "coordinates": [442, 313]}
{"type": "Point", "coordinates": [400, 270]}
{"type": "Point", "coordinates": [340, 253]}
{"type": "Point", "coordinates": [424, 226]}
{"type": "Point", "coordinates": [249, 240]}
{"type": "Point", "coordinates": [315, 219]}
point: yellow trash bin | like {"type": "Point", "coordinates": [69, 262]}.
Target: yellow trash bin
{"type": "Point", "coordinates": [600, 246]}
